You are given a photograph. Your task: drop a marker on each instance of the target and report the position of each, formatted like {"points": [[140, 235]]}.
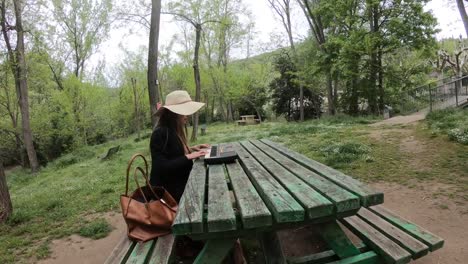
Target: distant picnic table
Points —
{"points": [[271, 188], [248, 120]]}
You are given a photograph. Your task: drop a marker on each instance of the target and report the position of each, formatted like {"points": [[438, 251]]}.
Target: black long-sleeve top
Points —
{"points": [[170, 167]]}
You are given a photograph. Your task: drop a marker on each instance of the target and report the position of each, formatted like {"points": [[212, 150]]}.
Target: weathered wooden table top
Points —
{"points": [[268, 188]]}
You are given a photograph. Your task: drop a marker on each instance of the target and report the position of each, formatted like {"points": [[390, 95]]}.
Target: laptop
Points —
{"points": [[220, 153]]}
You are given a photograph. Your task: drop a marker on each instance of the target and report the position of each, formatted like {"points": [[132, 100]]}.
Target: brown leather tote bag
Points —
{"points": [[149, 211]]}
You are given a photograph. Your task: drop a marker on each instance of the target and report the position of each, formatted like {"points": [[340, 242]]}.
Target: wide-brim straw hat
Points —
{"points": [[180, 103]]}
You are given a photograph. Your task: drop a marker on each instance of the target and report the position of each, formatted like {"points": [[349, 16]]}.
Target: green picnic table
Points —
{"points": [[271, 188]]}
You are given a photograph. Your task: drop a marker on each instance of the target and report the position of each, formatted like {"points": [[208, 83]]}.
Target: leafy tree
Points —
{"points": [[16, 57], [82, 25], [285, 92]]}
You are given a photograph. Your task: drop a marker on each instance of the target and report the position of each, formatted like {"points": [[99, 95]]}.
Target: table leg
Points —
{"points": [[272, 248], [337, 240], [214, 251]]}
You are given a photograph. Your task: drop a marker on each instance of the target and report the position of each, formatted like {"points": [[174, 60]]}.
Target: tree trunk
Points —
{"points": [[135, 101], [331, 106], [196, 74], [464, 17], [5, 201], [380, 81], [22, 89], [153, 59]]}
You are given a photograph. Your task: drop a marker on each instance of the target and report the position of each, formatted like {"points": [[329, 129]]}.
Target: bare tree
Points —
{"points": [[464, 16], [190, 12], [283, 9], [153, 83], [18, 66]]}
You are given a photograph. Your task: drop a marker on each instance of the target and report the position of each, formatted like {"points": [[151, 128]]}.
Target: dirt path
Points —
{"points": [[400, 120]]}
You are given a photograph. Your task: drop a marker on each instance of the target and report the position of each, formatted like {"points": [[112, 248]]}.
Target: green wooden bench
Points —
{"points": [[272, 188], [156, 251]]}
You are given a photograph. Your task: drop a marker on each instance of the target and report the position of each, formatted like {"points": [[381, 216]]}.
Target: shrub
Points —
{"points": [[96, 229]]}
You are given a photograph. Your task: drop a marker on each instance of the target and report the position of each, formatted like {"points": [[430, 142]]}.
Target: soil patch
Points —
{"points": [[80, 250]]}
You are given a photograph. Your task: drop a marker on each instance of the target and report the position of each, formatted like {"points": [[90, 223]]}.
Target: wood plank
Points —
{"points": [[271, 247], [369, 257], [214, 251], [390, 251], [189, 218], [337, 240], [162, 252], [416, 248], [140, 253], [253, 211], [342, 199], [432, 241], [322, 257], [121, 252], [221, 215], [280, 203], [315, 204], [367, 195]]}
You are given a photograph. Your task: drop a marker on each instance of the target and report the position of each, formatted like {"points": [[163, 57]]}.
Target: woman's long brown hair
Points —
{"points": [[172, 120]]}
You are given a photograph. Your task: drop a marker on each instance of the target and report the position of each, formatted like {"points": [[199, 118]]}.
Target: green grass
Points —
{"points": [[68, 194], [452, 122]]}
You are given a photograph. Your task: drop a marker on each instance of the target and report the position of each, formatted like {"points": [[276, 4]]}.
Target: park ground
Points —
{"points": [[70, 211]]}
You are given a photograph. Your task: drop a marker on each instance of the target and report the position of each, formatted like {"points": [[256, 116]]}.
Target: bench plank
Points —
{"points": [[391, 252], [432, 241], [337, 240], [369, 257], [322, 257], [316, 205], [140, 253], [367, 195], [221, 215], [416, 248], [214, 251], [283, 206], [121, 251], [343, 200], [163, 250], [253, 211], [189, 217]]}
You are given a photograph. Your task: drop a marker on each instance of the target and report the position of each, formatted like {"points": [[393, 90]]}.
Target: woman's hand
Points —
{"points": [[195, 155], [199, 147]]}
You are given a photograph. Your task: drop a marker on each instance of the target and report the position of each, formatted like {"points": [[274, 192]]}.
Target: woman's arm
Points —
{"points": [[199, 147]]}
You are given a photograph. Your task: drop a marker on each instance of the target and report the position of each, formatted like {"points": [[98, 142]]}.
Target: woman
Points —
{"points": [[172, 159]]}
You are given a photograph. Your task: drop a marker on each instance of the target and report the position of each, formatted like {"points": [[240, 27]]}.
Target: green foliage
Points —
{"points": [[285, 92], [96, 229], [344, 152], [452, 122]]}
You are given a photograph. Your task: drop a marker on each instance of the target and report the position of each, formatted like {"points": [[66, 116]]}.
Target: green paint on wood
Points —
{"points": [[416, 248], [162, 252], [316, 205], [337, 240], [281, 204], [364, 258], [367, 195], [221, 215], [253, 211], [321, 257], [432, 241], [140, 253], [214, 251], [341, 198], [189, 218], [389, 250]]}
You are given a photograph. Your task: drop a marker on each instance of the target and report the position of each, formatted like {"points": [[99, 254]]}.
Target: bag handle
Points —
{"points": [[150, 187], [129, 166]]}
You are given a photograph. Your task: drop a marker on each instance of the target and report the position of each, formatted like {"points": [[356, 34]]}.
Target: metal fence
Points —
{"points": [[444, 93]]}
